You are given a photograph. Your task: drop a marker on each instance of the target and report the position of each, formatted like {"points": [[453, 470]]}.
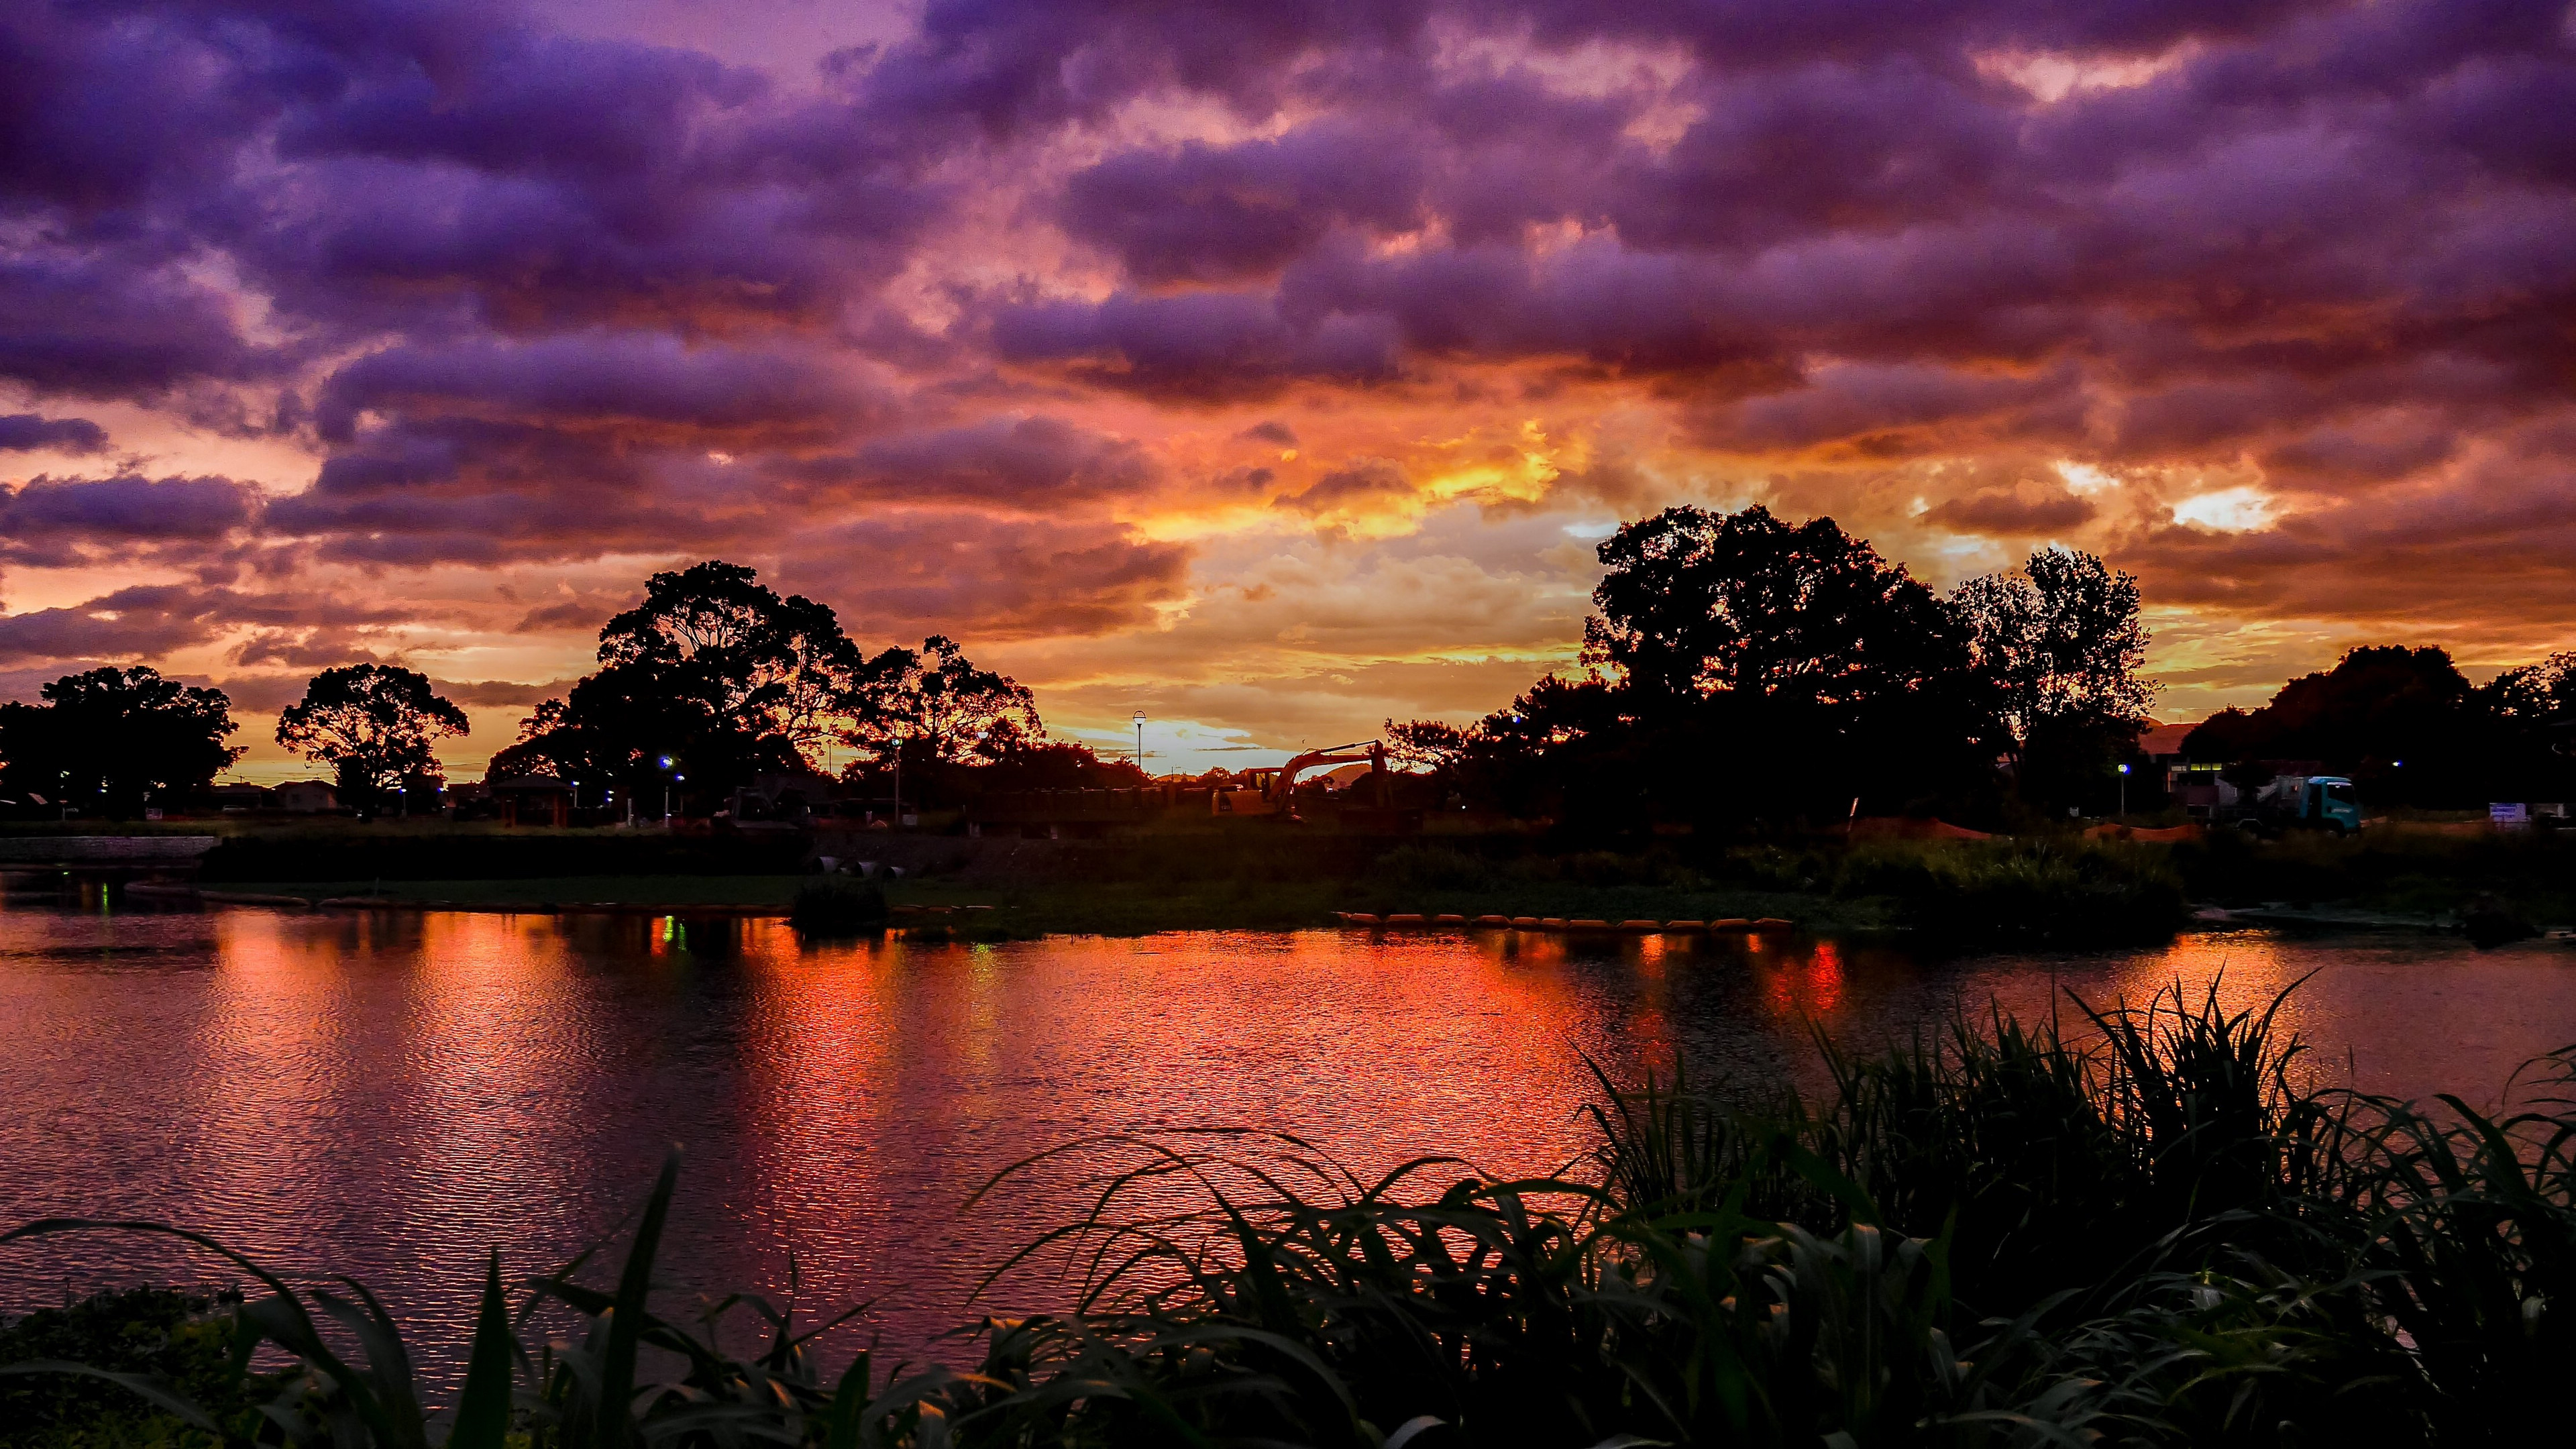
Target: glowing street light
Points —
{"points": [[2124, 790]]}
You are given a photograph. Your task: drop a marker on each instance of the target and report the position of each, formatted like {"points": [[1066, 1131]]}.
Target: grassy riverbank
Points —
{"points": [[1969, 891], [2053, 890], [2158, 1234]]}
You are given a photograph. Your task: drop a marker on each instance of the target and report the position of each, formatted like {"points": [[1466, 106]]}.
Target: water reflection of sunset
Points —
{"points": [[1802, 982], [391, 1095]]}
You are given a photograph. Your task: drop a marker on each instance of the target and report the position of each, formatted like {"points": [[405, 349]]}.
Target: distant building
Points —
{"points": [[306, 797], [236, 797]]}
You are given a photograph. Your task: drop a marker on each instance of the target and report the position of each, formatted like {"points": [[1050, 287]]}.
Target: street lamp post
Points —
{"points": [[1140, 742], [666, 792], [898, 782], [2124, 791]]}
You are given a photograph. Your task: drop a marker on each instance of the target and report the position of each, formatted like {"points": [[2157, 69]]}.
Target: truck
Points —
{"points": [[2297, 802]]}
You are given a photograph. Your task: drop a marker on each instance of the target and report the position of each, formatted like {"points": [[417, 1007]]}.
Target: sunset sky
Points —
{"points": [[1268, 368]]}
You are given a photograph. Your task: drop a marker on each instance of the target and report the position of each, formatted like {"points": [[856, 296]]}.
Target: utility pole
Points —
{"points": [[898, 782]]}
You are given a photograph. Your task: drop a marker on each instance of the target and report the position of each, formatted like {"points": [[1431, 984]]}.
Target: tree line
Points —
{"points": [[2410, 729], [1746, 671], [1740, 671], [1743, 671], [715, 677], [711, 680]]}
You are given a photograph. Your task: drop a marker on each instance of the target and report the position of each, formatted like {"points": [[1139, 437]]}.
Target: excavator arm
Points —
{"points": [[1277, 795], [1373, 752]]}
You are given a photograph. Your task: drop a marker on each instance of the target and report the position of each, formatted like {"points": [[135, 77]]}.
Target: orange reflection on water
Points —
{"points": [[394, 1094], [1801, 980]]}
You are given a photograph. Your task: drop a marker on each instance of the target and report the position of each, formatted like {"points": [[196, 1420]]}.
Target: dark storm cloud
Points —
{"points": [[1017, 463], [496, 692], [150, 620], [2013, 512], [126, 507], [1208, 214], [536, 296], [642, 386], [27, 432], [1198, 345], [114, 325], [898, 571], [198, 524]]}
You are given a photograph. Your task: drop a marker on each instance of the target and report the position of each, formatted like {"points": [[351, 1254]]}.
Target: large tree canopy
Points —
{"points": [[2061, 641], [716, 672], [751, 661], [376, 725], [116, 740], [1747, 669], [1696, 602], [2056, 652], [712, 670], [936, 702]]}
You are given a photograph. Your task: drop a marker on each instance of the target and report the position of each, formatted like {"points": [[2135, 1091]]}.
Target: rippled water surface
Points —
{"points": [[389, 1095]]}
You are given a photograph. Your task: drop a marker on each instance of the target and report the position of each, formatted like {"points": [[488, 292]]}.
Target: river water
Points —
{"points": [[391, 1095]]}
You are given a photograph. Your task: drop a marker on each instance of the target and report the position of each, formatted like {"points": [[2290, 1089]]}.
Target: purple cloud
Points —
{"points": [[962, 302], [1212, 214], [27, 432], [126, 507]]}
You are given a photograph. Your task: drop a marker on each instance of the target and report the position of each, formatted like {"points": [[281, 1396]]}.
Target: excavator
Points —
{"points": [[1273, 791]]}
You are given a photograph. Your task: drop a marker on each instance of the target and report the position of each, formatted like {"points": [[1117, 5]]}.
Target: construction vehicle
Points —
{"points": [[2297, 802], [1273, 790]]}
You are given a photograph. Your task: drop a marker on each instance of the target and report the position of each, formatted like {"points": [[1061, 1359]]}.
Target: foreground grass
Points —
{"points": [[2156, 1235]]}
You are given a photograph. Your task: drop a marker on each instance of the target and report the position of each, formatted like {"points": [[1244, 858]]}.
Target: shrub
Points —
{"points": [[2021, 890], [152, 1334]]}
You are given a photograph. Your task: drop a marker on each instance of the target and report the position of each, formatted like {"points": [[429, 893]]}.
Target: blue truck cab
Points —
{"points": [[2305, 802], [2330, 803]]}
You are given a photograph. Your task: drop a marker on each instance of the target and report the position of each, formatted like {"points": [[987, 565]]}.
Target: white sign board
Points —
{"points": [[2508, 816]]}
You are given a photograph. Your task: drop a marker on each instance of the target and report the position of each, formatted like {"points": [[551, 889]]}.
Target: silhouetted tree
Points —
{"points": [[2403, 722], [2057, 650], [939, 706], [712, 669], [376, 725], [1695, 603], [114, 740], [1564, 749], [1034, 764], [1771, 671], [755, 663]]}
